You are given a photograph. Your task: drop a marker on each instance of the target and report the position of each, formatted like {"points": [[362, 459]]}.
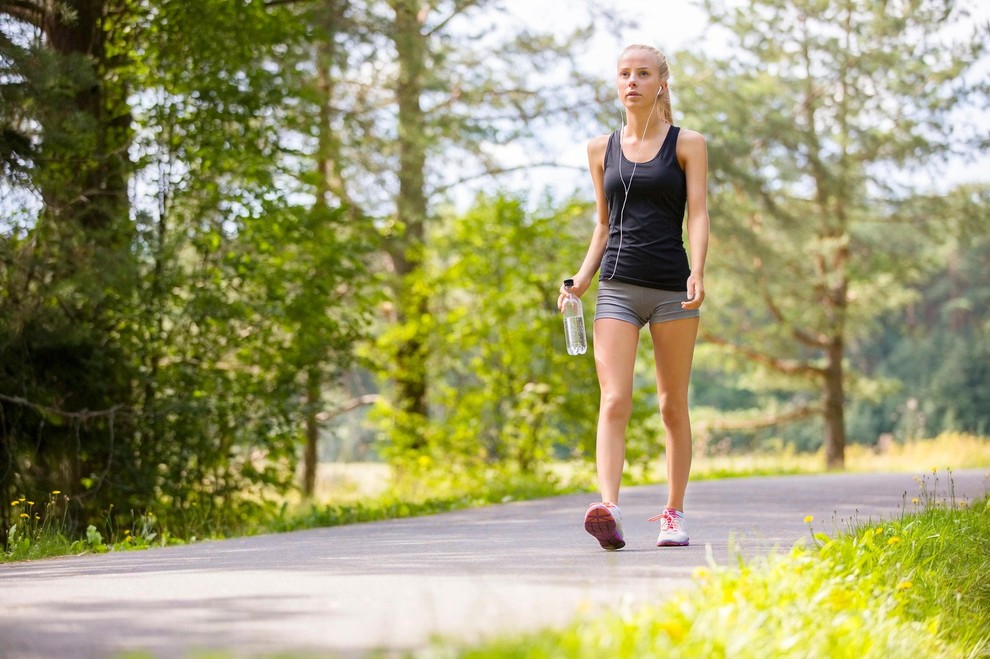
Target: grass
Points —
{"points": [[369, 492], [364, 496], [913, 586], [43, 531], [947, 450]]}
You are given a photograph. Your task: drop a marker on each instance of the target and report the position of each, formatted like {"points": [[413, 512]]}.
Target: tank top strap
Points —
{"points": [[612, 150], [669, 147]]}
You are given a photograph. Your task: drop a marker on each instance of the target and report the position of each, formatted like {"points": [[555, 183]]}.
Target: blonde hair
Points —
{"points": [[666, 112]]}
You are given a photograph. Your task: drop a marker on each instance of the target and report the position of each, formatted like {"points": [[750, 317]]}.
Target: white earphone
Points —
{"points": [[626, 186]]}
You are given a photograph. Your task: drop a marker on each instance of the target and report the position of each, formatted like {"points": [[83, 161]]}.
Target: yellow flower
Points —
{"points": [[894, 540], [963, 504], [904, 585], [914, 501], [808, 519], [30, 503], [24, 515], [879, 530], [934, 470], [701, 572], [14, 503], [56, 492]]}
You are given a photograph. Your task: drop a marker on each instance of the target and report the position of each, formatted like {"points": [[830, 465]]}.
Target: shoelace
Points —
{"points": [[667, 520]]}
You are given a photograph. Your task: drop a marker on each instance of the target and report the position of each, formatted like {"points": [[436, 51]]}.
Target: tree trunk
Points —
{"points": [[411, 205], [835, 424], [98, 192], [312, 456]]}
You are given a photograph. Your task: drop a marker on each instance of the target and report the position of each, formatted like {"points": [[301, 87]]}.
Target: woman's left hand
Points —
{"points": [[695, 292]]}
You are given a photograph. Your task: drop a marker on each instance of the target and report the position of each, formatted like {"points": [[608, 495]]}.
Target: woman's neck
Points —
{"points": [[644, 125]]}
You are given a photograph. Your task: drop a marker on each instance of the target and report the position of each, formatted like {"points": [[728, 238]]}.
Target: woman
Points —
{"points": [[645, 176]]}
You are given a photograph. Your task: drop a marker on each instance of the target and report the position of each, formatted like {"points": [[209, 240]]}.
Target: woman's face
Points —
{"points": [[638, 78]]}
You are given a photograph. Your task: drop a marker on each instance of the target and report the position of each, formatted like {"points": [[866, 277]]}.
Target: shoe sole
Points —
{"points": [[600, 523], [672, 543]]}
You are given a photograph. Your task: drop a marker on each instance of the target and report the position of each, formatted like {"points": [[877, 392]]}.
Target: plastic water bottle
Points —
{"points": [[577, 340]]}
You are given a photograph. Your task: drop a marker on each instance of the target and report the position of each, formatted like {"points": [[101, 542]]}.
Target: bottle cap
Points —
{"points": [[568, 283]]}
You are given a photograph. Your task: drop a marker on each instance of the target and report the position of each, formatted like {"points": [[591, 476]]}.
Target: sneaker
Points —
{"points": [[673, 530], [604, 521]]}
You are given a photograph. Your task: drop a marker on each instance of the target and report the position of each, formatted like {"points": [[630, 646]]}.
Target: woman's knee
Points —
{"points": [[616, 406], [674, 412]]}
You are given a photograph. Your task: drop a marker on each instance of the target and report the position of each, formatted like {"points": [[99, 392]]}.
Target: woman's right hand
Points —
{"points": [[577, 290]]}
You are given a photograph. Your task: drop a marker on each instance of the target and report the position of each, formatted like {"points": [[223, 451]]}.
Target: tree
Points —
{"points": [[809, 119], [162, 326], [459, 88], [67, 269]]}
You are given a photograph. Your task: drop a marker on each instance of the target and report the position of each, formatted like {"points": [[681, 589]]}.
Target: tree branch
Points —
{"points": [[785, 366], [799, 334], [457, 11], [23, 10], [501, 170], [349, 406], [768, 421], [81, 415]]}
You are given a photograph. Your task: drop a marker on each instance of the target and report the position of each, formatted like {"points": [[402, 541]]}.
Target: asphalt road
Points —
{"points": [[349, 591]]}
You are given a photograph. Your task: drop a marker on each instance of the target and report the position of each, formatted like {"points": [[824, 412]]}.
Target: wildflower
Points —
{"points": [[14, 503], [964, 504], [915, 501], [24, 515], [809, 519], [894, 540], [879, 530], [30, 503], [905, 585], [56, 492], [934, 470]]}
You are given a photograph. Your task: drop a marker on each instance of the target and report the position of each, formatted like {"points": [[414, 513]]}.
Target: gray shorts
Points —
{"points": [[640, 305]]}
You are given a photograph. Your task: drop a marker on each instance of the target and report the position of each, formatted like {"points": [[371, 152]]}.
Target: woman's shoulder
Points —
{"points": [[599, 143], [690, 137], [597, 146], [690, 143]]}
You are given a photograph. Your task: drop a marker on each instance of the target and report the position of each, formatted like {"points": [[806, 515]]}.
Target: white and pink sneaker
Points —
{"points": [[604, 521], [673, 529]]}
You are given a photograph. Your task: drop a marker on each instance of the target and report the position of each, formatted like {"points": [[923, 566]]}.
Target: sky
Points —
{"points": [[667, 24], [670, 25]]}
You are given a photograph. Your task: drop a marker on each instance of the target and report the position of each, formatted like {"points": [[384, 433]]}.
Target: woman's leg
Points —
{"points": [[615, 357], [673, 350]]}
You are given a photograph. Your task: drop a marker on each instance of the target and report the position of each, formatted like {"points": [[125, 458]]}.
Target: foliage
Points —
{"points": [[912, 585], [504, 389], [815, 238], [937, 350], [161, 366]]}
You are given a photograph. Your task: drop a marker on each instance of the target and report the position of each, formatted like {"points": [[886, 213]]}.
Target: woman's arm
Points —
{"points": [[596, 250], [692, 152]]}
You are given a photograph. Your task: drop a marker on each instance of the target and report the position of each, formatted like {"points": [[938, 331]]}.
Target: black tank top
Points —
{"points": [[646, 247]]}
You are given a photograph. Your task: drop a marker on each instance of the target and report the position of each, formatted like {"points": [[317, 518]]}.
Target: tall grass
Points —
{"points": [[912, 586]]}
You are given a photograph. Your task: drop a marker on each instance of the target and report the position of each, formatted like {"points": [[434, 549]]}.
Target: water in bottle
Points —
{"points": [[577, 340]]}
